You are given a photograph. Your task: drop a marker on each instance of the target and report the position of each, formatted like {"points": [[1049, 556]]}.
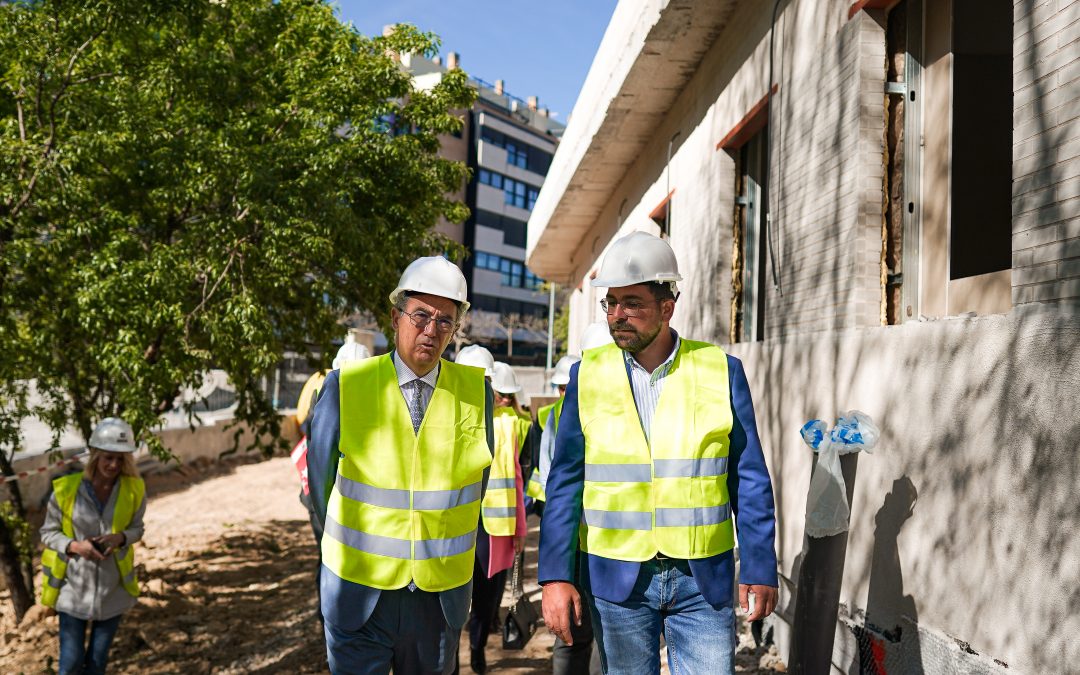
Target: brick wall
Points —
{"points": [[1046, 151]]}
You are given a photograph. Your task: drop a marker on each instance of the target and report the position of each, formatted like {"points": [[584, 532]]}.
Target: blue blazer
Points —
{"points": [[345, 604], [749, 488]]}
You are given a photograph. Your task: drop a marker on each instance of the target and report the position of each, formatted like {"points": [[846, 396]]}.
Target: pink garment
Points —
{"points": [[501, 556]]}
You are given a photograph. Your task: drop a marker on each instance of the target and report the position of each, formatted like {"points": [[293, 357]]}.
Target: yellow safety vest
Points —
{"points": [[405, 505], [499, 508], [54, 563], [536, 488], [542, 415], [668, 496]]}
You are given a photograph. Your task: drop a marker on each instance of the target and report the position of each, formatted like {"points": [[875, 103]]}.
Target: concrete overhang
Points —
{"points": [[650, 51]]}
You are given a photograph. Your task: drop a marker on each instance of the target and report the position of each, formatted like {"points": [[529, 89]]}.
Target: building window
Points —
{"points": [[748, 261], [517, 156], [513, 273], [513, 230], [491, 178], [661, 215], [949, 245], [516, 193]]}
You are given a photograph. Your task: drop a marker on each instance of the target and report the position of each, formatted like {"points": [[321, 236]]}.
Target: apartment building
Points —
{"points": [[508, 143], [876, 206]]}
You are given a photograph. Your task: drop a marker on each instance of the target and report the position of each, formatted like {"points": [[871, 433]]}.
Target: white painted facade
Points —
{"points": [[962, 519]]}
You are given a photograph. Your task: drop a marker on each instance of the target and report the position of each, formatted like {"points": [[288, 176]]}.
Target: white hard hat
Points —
{"points": [[504, 380], [596, 335], [350, 351], [113, 434], [562, 369], [638, 258], [434, 275], [475, 355]]}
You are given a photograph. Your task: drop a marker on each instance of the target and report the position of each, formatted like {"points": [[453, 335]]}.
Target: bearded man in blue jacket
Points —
{"points": [[657, 458]]}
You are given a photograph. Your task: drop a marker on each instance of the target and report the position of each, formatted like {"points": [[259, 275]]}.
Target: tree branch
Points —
{"points": [[50, 142], [213, 289]]}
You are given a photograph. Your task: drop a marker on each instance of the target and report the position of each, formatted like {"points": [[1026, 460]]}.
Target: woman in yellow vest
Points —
{"points": [[93, 519], [502, 523]]}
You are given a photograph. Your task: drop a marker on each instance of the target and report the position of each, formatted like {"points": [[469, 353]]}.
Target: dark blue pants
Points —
{"points": [[486, 596], [74, 656], [407, 632]]}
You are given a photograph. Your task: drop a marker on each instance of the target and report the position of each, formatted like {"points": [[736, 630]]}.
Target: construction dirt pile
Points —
{"points": [[227, 569]]}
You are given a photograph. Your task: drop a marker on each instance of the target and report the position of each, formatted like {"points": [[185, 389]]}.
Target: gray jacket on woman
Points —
{"points": [[91, 590]]}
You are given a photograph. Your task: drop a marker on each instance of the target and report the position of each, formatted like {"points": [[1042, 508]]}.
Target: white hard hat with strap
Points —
{"points": [[638, 258], [475, 355], [114, 435], [596, 335], [433, 275], [504, 381], [562, 369], [350, 351]]}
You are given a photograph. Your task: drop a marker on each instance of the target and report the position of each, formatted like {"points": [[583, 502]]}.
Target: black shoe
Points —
{"points": [[477, 661]]}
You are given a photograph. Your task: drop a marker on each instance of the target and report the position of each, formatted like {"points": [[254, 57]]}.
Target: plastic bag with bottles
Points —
{"points": [[827, 509]]}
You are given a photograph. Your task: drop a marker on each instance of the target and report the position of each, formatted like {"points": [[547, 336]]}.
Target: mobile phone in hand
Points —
{"points": [[99, 545]]}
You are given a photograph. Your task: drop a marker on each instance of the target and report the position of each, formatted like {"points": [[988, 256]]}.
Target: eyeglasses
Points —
{"points": [[631, 308], [421, 319]]}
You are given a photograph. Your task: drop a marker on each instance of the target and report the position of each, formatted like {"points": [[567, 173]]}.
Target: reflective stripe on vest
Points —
{"points": [[405, 506], [54, 563], [669, 496], [499, 508]]}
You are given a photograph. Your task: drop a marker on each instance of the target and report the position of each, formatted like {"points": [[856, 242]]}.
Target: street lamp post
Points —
{"points": [[551, 324]]}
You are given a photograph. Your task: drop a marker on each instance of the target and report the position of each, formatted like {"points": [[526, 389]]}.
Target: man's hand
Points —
{"points": [[562, 604], [84, 549], [764, 600], [519, 544]]}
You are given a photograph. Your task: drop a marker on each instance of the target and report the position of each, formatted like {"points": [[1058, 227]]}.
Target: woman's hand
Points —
{"points": [[84, 549], [519, 544], [111, 541]]}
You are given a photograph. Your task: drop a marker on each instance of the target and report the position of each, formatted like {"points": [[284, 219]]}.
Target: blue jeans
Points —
{"points": [[74, 657], [700, 637]]}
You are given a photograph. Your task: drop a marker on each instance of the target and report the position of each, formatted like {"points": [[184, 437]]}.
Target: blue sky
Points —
{"points": [[540, 48]]}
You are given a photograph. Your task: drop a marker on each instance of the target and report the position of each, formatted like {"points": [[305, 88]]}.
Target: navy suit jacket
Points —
{"points": [[749, 489], [345, 604]]}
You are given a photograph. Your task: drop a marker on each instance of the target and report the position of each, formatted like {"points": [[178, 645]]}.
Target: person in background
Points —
{"points": [[578, 656], [502, 524], [660, 510], [350, 351], [94, 518], [546, 424], [477, 357], [398, 457]]}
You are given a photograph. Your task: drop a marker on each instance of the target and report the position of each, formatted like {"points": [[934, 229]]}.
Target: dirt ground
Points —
{"points": [[227, 569]]}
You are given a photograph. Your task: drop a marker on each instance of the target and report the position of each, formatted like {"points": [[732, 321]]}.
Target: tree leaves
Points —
{"points": [[196, 185]]}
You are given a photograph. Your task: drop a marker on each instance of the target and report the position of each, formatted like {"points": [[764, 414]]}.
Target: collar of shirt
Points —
{"points": [[405, 374], [663, 368]]}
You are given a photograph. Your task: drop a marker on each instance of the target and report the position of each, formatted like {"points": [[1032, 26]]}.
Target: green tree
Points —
{"points": [[200, 184]]}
